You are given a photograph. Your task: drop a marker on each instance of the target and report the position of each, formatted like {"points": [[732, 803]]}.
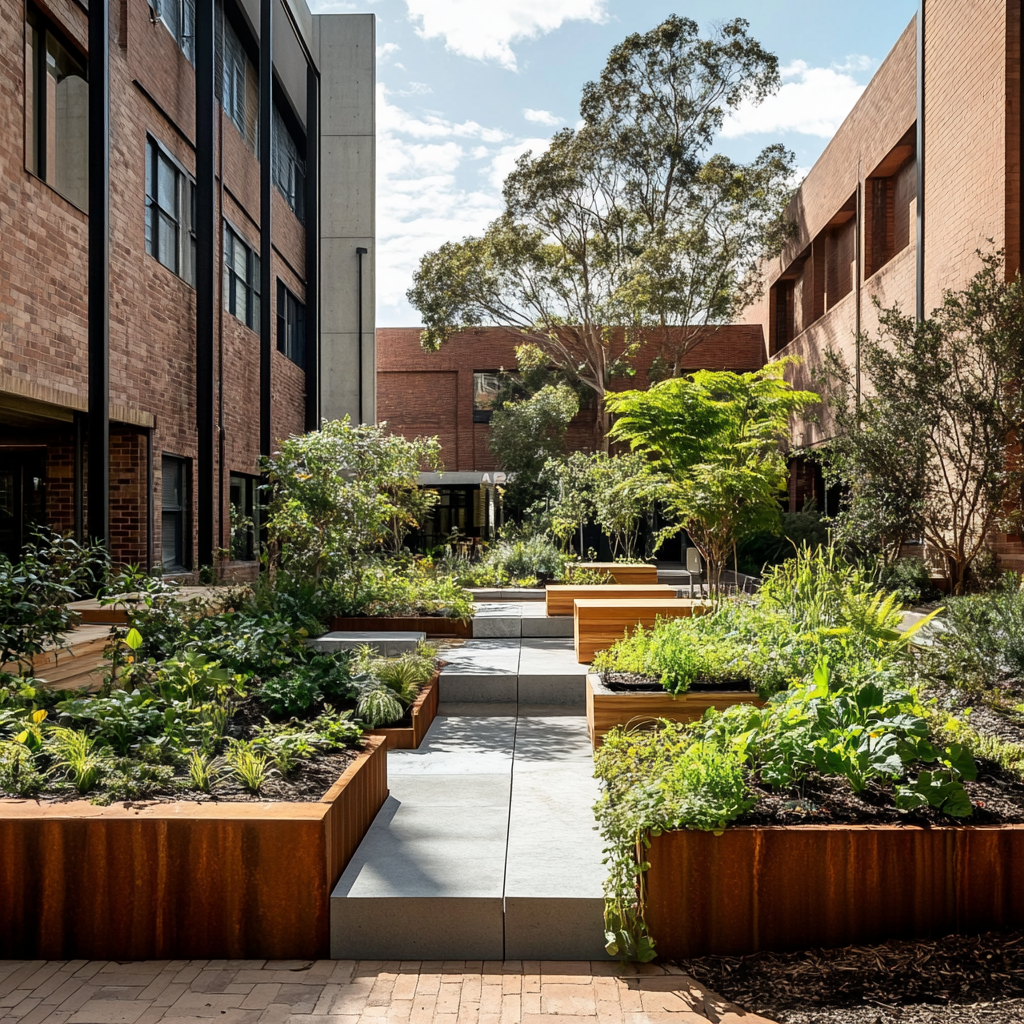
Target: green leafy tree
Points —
{"points": [[715, 441], [629, 225], [933, 449], [524, 435], [612, 491], [340, 493]]}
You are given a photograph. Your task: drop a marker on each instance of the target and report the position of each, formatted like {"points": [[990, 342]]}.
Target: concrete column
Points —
{"points": [[345, 53]]}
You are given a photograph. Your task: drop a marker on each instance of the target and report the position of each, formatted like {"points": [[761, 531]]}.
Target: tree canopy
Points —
{"points": [[932, 449], [629, 225], [715, 440]]}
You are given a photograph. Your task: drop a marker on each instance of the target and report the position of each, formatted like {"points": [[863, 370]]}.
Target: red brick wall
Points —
{"points": [[431, 393], [43, 294]]}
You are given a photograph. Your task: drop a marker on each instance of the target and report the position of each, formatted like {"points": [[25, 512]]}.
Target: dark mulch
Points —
{"points": [[635, 682], [998, 798], [958, 979]]}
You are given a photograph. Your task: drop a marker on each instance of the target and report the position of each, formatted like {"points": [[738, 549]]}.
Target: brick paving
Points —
{"points": [[355, 992]]}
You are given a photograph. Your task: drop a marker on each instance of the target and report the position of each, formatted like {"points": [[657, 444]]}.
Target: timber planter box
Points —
{"points": [[432, 625], [597, 624], [181, 880], [422, 712], [622, 572], [608, 708], [804, 886], [560, 598]]}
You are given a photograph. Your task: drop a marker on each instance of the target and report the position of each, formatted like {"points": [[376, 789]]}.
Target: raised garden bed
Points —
{"points": [[181, 880], [607, 708], [597, 624], [432, 625], [622, 572], [420, 715], [796, 887], [560, 599]]}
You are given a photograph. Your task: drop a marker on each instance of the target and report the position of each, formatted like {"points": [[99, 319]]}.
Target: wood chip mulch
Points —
{"points": [[958, 979]]}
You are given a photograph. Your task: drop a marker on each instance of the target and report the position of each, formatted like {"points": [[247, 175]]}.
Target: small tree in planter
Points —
{"points": [[933, 450], [715, 441]]}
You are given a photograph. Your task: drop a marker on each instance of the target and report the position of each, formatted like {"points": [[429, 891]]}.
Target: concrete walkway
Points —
{"points": [[487, 847], [354, 992]]}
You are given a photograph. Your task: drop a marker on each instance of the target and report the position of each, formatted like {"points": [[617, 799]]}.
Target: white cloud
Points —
{"points": [[856, 62], [385, 51], [505, 159], [485, 29], [542, 116], [812, 101]]}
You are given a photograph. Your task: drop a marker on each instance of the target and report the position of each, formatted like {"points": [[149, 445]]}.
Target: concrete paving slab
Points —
{"points": [[547, 626], [388, 644], [547, 740], [550, 674], [487, 688], [554, 929], [497, 620], [479, 745], [417, 929], [483, 657]]}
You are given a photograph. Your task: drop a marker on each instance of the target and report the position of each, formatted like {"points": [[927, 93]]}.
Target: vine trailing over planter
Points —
{"points": [[870, 732]]}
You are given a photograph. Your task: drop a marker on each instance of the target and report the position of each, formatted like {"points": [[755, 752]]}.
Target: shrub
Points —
{"points": [[526, 559], [909, 580], [306, 685]]}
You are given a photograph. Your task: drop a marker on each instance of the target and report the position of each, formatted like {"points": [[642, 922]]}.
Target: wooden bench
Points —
{"points": [[560, 598], [207, 600], [622, 572], [597, 624], [80, 663]]}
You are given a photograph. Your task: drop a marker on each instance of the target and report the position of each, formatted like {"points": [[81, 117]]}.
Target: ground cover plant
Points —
{"points": [[233, 705], [863, 723]]}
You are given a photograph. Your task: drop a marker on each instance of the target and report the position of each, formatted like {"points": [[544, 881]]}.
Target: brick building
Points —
{"points": [[168, 332], [924, 171], [446, 394]]}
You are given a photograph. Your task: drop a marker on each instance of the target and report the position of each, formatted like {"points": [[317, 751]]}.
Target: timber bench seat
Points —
{"points": [[597, 624], [560, 598], [622, 572]]}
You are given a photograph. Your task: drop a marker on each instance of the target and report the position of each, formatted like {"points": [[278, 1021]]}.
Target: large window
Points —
{"points": [[289, 168], [174, 513], [486, 385], [291, 326], [245, 517], [180, 18], [170, 204], [241, 279], [56, 111]]}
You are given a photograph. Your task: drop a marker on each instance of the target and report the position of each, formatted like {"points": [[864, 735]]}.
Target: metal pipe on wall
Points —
{"points": [[149, 500], [99, 272], [266, 238], [205, 273], [79, 479], [920, 160], [361, 251], [312, 199]]}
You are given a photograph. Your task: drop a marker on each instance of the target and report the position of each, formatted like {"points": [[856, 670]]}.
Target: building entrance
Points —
{"points": [[22, 496]]}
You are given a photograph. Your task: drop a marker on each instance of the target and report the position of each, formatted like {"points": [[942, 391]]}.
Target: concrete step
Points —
{"points": [[485, 850], [507, 620]]}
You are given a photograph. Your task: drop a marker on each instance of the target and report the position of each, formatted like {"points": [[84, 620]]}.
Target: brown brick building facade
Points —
{"points": [[44, 258], [423, 393]]}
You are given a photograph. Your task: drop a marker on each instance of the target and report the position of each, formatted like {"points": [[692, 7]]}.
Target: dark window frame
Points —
{"points": [[481, 413], [178, 513], [38, 26], [248, 504], [235, 284], [182, 217], [291, 325]]}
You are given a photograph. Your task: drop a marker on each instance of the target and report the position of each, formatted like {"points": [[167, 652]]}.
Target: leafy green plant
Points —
{"points": [[378, 705], [76, 754], [252, 769], [124, 778], [19, 775], [309, 684], [335, 729], [524, 560], [118, 720], [203, 770]]}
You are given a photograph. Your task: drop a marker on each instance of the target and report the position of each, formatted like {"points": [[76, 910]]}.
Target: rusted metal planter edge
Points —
{"points": [[781, 888], [423, 712], [182, 880]]}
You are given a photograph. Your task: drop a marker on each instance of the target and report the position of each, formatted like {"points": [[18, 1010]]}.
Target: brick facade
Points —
{"points": [[423, 393], [43, 292]]}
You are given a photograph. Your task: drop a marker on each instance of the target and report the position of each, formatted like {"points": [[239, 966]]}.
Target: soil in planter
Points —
{"points": [[997, 796], [307, 783], [953, 980], [634, 682]]}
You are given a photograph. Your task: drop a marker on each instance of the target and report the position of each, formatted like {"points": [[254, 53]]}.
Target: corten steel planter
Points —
{"points": [[432, 625], [560, 599], [597, 624], [423, 711], [181, 880], [607, 708], [803, 886]]}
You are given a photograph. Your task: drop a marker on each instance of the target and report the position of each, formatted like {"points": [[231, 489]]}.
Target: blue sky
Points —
{"points": [[464, 86]]}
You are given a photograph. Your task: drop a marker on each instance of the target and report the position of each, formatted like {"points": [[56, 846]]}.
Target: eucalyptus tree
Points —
{"points": [[627, 231]]}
